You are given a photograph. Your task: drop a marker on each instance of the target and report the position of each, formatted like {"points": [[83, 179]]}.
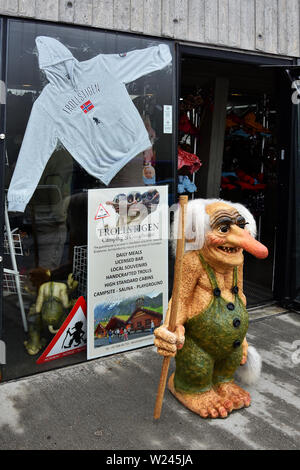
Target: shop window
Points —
{"points": [[49, 172]]}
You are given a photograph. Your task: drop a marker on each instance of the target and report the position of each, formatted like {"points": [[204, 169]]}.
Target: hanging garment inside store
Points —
{"points": [[229, 118], [192, 111]]}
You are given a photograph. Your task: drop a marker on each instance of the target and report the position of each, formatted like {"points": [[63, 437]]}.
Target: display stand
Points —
{"points": [[17, 244], [194, 118], [80, 268], [12, 280], [9, 282]]}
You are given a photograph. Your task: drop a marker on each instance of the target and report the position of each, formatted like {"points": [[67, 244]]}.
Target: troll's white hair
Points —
{"points": [[197, 222]]}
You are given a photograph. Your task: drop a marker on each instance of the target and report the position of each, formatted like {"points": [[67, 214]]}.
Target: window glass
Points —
{"points": [[71, 88]]}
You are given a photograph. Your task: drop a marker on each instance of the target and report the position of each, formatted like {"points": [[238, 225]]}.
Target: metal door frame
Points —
{"points": [[3, 39]]}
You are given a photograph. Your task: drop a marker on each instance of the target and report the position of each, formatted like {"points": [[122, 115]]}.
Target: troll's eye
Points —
{"points": [[242, 224], [224, 228]]}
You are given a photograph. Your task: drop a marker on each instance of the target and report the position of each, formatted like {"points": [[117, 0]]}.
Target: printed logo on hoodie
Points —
{"points": [[86, 107], [81, 96]]}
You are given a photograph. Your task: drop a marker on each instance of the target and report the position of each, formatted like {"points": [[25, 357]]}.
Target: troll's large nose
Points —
{"points": [[242, 238]]}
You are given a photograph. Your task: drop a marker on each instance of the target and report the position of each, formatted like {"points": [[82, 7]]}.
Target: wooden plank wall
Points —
{"points": [[270, 26]]}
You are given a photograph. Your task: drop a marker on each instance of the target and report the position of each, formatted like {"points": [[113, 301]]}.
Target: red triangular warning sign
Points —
{"points": [[101, 212], [71, 337]]}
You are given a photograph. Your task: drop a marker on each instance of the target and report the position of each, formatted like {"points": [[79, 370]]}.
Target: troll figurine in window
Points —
{"points": [[49, 310], [209, 342]]}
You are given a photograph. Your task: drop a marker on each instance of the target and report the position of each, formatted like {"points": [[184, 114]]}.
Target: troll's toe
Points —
{"points": [[239, 397], [207, 404]]}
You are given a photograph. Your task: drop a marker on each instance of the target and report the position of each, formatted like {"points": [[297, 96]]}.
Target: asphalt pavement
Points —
{"points": [[108, 403]]}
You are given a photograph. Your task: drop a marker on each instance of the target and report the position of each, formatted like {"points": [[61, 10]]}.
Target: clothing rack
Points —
{"points": [[14, 272], [193, 112]]}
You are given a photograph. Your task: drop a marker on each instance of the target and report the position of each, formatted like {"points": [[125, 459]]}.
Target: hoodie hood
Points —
{"points": [[56, 60]]}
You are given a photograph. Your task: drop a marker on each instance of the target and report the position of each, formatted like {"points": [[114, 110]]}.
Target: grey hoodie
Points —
{"points": [[87, 107]]}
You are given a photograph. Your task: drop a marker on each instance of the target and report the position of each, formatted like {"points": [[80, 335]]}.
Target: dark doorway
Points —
{"points": [[231, 117]]}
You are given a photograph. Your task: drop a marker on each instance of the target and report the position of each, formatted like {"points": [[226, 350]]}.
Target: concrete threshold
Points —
{"points": [[264, 311]]}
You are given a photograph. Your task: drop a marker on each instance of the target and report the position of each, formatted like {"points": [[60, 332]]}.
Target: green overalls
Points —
{"points": [[213, 341], [52, 309]]}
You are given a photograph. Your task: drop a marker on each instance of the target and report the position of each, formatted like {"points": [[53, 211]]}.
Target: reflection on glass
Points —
{"points": [[53, 226]]}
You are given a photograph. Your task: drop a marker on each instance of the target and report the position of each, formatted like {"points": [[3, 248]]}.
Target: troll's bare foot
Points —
{"points": [[239, 397], [207, 404], [33, 347]]}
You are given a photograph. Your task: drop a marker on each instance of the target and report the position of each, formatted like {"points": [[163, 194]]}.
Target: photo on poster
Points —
{"points": [[126, 319], [127, 267]]}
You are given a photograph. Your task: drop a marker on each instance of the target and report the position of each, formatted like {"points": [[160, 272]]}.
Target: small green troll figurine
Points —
{"points": [[49, 311]]}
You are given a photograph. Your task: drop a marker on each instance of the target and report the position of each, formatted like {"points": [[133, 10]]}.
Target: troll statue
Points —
{"points": [[209, 342], [48, 312]]}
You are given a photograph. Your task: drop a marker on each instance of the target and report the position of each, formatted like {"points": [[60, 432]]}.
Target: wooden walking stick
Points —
{"points": [[174, 306]]}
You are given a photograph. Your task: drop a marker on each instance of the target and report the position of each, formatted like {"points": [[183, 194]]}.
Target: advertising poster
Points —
{"points": [[127, 267]]}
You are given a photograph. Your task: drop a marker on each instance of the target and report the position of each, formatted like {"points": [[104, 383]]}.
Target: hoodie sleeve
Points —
{"points": [[134, 64], [38, 145]]}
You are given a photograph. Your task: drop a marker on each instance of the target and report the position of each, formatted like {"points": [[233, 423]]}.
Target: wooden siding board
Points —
{"points": [[195, 30], [293, 28], [46, 10], [234, 22], [282, 27], [264, 25], [122, 15], [211, 21], [66, 11], [137, 16], [270, 26], [259, 24], [181, 16], [27, 8], [167, 18], [83, 12], [223, 18], [247, 35], [9, 6], [103, 14], [152, 17]]}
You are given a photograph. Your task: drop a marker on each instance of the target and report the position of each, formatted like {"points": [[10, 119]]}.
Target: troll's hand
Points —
{"points": [[167, 342]]}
